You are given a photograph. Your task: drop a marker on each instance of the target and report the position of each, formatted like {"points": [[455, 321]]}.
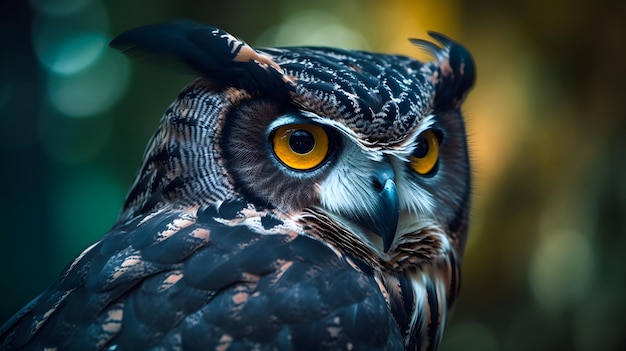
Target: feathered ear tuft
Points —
{"points": [[456, 71], [216, 55]]}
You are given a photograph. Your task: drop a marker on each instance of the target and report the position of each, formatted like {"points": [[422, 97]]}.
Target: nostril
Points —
{"points": [[378, 186]]}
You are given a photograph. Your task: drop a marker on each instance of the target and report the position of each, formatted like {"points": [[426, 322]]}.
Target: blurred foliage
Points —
{"points": [[543, 268]]}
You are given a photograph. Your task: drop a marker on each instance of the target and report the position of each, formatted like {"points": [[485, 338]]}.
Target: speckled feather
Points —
{"points": [[180, 279], [200, 260]]}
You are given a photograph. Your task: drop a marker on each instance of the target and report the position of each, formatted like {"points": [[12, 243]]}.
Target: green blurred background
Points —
{"points": [[544, 266]]}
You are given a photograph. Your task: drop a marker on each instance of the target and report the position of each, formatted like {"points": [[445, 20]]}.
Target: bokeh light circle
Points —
{"points": [[309, 28], [93, 90], [69, 44], [561, 269]]}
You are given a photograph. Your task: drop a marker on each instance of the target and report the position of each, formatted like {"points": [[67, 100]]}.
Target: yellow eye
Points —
{"points": [[301, 146], [426, 154]]}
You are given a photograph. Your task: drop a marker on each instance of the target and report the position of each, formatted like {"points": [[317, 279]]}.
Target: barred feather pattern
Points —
{"points": [[182, 164]]}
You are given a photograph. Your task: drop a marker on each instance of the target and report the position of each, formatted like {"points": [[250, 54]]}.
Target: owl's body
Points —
{"points": [[291, 199]]}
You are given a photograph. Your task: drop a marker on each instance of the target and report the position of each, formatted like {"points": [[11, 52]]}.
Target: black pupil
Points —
{"points": [[422, 147], [301, 141]]}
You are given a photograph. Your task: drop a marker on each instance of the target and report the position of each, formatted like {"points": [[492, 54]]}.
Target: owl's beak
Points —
{"points": [[383, 218], [388, 218]]}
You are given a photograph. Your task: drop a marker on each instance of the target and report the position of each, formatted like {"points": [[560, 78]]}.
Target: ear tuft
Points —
{"points": [[216, 55], [455, 72]]}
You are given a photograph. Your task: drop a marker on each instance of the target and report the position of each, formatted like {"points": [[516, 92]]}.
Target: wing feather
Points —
{"points": [[183, 279]]}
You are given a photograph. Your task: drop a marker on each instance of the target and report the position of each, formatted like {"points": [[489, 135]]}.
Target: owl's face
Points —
{"points": [[295, 159]]}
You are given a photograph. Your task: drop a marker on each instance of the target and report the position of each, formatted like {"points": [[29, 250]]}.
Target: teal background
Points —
{"points": [[544, 266]]}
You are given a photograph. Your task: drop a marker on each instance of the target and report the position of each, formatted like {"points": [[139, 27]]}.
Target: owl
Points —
{"points": [[302, 198]]}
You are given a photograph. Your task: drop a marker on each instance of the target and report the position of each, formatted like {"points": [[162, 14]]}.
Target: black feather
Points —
{"points": [[452, 86], [204, 50]]}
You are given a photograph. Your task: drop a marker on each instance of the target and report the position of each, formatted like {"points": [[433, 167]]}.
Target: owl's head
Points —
{"points": [[369, 148]]}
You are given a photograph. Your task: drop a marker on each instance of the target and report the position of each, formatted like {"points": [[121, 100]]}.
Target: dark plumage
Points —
{"points": [[232, 238], [208, 51]]}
